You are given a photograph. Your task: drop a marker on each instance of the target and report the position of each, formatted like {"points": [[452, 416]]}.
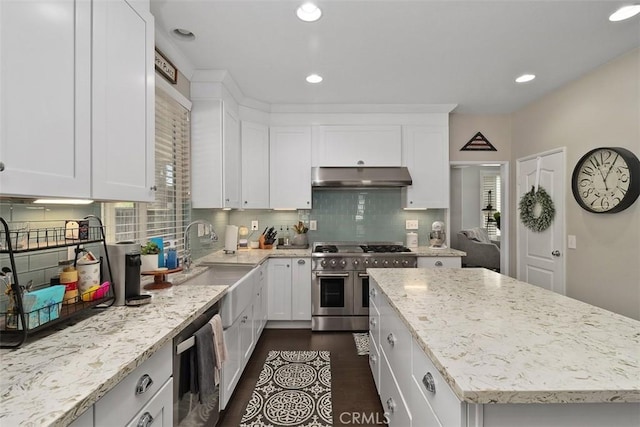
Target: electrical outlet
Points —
{"points": [[313, 225], [254, 225], [412, 224], [571, 244]]}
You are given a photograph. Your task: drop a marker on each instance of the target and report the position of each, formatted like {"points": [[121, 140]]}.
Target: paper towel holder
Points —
{"points": [[231, 239]]}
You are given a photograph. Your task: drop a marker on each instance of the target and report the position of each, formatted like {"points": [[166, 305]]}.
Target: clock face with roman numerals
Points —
{"points": [[606, 180]]}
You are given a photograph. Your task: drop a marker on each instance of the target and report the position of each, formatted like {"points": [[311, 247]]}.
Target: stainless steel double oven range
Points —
{"points": [[340, 283]]}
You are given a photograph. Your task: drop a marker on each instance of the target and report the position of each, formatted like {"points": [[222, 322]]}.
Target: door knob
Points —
{"points": [[555, 253]]}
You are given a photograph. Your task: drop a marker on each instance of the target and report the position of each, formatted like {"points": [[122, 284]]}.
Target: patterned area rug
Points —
{"points": [[362, 343], [294, 389]]}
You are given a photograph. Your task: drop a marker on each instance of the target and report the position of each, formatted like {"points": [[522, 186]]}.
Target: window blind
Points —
{"points": [[491, 183], [169, 214]]}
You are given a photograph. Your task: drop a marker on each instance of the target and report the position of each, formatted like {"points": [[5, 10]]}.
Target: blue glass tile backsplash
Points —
{"points": [[349, 215]]}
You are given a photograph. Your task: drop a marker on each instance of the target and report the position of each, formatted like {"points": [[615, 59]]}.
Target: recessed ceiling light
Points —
{"points": [[309, 12], [525, 78], [625, 12], [182, 34], [314, 78]]}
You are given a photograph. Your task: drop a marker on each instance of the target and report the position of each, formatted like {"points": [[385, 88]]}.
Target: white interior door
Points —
{"points": [[541, 258]]}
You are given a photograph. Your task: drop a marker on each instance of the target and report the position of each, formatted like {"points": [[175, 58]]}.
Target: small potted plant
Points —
{"points": [[300, 236], [496, 217], [149, 256]]}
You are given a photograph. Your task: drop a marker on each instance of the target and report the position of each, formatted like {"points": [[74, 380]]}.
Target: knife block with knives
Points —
{"points": [[266, 239]]}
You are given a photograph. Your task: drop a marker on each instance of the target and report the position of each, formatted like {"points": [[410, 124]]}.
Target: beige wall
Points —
{"points": [[183, 85], [600, 109], [496, 128]]}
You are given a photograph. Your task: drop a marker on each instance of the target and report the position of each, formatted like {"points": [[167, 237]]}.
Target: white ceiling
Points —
{"points": [[399, 52]]}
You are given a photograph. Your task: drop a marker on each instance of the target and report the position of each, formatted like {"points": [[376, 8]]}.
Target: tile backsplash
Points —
{"points": [[349, 215]]}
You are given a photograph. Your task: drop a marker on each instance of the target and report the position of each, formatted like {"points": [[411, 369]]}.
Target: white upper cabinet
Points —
{"points": [[290, 170], [215, 155], [123, 86], [358, 146], [232, 162], [255, 165], [45, 89], [425, 151], [76, 111]]}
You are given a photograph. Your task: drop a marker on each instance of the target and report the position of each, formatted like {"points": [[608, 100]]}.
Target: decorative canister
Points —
{"points": [[88, 274]]}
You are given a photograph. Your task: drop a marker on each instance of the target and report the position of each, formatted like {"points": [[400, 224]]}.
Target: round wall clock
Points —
{"points": [[606, 180]]}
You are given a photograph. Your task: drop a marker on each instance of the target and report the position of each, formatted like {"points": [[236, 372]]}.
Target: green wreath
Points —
{"points": [[527, 206]]}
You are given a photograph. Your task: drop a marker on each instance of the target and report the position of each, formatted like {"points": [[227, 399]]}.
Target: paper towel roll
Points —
{"points": [[231, 239]]}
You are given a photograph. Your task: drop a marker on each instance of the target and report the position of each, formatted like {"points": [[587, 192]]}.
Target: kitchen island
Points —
{"points": [[504, 347], [54, 379]]}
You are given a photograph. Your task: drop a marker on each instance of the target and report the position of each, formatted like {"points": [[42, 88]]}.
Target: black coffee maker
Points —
{"points": [[132, 280]]}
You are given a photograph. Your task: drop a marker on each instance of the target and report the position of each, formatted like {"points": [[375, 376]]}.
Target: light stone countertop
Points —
{"points": [[52, 380], [498, 340], [254, 257]]}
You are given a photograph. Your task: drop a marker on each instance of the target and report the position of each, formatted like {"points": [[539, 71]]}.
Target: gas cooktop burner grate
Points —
{"points": [[384, 248], [326, 249]]}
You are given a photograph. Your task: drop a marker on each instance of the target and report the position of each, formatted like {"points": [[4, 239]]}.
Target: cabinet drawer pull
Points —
{"points": [[429, 383], [438, 263], [391, 405], [144, 383], [145, 420], [391, 340], [301, 262]]}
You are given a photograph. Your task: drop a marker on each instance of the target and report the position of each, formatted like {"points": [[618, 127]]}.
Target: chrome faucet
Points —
{"points": [[208, 229]]}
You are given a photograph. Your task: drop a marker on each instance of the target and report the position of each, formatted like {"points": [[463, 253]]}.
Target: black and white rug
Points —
{"points": [[294, 389], [362, 343]]}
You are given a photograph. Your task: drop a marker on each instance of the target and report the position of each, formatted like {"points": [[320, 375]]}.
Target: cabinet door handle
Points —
{"points": [[391, 405], [373, 358], [1, 166], [154, 188], [360, 163], [372, 293], [301, 262], [372, 322], [438, 263], [391, 340], [429, 383], [144, 383], [145, 420]]}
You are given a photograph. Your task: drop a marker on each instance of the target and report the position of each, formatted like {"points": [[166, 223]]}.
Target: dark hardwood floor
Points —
{"points": [[354, 395]]}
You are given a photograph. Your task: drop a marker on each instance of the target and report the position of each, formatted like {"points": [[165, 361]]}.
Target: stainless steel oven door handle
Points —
{"points": [[330, 275], [363, 275]]}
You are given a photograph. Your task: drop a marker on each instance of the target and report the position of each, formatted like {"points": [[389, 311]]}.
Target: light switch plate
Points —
{"points": [[412, 224], [313, 225], [254, 225], [571, 241]]}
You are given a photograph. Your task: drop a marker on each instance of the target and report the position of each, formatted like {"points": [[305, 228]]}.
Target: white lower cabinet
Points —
{"points": [[430, 389], [158, 411], [126, 400], [84, 420], [289, 289], [232, 368], [439, 261], [395, 408]]}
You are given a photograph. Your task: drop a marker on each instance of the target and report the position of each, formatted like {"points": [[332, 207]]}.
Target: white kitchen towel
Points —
{"points": [[219, 346]]}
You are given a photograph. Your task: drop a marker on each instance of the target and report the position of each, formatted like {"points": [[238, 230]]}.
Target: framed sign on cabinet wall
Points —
{"points": [[166, 68]]}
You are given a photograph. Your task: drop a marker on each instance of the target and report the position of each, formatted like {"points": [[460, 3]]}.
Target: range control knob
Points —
{"points": [[406, 263], [323, 263], [385, 263], [343, 263], [375, 262], [366, 262], [396, 263], [356, 262], [333, 263]]}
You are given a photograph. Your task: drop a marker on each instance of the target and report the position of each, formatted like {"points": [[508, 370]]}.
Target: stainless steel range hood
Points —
{"points": [[359, 177]]}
